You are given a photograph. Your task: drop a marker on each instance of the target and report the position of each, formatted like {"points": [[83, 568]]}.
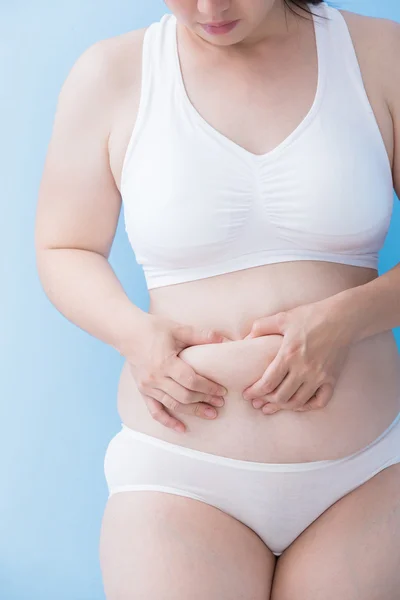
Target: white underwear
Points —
{"points": [[277, 501]]}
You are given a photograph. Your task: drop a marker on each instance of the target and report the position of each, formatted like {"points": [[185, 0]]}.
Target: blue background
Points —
{"points": [[58, 384]]}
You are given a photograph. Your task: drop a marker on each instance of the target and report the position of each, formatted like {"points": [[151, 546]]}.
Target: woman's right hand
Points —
{"points": [[168, 382]]}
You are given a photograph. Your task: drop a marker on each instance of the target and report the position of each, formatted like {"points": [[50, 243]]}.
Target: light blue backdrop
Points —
{"points": [[58, 384]]}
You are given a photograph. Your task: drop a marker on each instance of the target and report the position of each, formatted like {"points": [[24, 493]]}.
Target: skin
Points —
{"points": [[156, 545], [292, 576], [265, 290]]}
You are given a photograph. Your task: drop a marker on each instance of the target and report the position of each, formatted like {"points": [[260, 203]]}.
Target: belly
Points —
{"points": [[365, 401], [366, 398]]}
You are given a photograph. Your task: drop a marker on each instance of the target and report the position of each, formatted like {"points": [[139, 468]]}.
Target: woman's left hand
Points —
{"points": [[304, 372]]}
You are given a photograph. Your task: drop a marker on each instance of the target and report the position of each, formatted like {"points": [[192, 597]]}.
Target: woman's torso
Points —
{"points": [[367, 395]]}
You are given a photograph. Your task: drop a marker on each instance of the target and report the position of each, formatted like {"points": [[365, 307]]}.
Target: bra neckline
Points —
{"points": [[320, 41]]}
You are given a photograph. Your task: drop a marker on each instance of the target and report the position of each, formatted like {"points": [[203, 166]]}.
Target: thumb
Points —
{"points": [[265, 326], [192, 336]]}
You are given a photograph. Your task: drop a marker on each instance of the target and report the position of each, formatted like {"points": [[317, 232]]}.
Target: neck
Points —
{"points": [[277, 25]]}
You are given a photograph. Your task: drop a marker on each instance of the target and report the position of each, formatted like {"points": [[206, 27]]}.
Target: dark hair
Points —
{"points": [[302, 4]]}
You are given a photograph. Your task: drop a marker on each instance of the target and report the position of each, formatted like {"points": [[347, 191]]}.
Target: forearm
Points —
{"points": [[368, 309], [84, 288]]}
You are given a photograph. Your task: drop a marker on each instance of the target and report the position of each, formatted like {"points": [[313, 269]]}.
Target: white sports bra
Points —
{"points": [[196, 204]]}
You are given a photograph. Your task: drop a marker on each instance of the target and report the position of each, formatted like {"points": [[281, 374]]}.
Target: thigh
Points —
{"points": [[351, 552], [170, 547]]}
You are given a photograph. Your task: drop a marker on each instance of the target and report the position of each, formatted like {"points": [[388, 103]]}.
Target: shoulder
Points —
{"points": [[110, 58], [367, 24], [105, 71], [377, 42]]}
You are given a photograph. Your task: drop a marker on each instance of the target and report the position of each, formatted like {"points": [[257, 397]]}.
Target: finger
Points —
{"points": [[283, 394], [302, 396], [187, 377], [160, 414], [304, 408], [270, 409], [185, 396], [259, 402], [273, 376], [199, 409], [192, 336], [263, 402], [266, 326], [322, 396]]}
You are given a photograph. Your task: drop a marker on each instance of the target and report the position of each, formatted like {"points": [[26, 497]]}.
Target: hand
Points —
{"points": [[304, 372], [168, 382]]}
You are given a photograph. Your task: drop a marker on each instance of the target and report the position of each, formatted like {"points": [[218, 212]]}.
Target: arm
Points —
{"points": [[375, 307], [368, 309], [79, 205]]}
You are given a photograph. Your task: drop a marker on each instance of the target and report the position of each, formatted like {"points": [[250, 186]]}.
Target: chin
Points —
{"points": [[220, 40]]}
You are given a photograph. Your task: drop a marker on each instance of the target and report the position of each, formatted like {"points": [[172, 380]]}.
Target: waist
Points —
{"points": [[365, 401], [232, 301]]}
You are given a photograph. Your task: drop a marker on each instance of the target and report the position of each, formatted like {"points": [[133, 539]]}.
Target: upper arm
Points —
{"points": [[79, 203], [393, 96]]}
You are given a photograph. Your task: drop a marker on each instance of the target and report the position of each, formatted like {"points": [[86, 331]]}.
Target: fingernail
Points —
{"points": [[258, 403], [269, 410], [210, 412], [218, 401]]}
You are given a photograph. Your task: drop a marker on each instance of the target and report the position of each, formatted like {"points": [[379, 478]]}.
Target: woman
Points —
{"points": [[252, 143]]}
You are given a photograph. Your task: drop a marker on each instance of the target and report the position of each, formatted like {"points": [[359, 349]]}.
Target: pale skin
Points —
{"points": [[156, 545]]}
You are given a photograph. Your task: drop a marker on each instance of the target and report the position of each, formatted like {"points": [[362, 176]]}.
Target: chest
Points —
{"points": [[250, 100], [275, 160], [262, 101]]}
